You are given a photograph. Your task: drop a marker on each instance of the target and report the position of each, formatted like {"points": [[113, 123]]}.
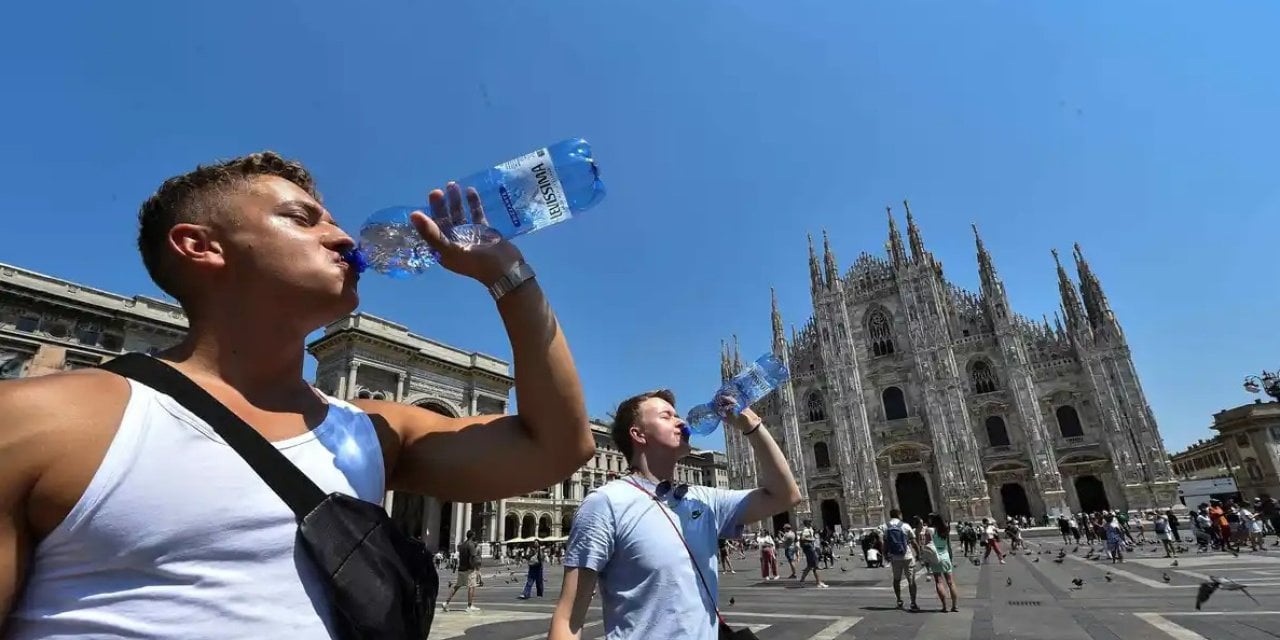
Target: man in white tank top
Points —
{"points": [[123, 515]]}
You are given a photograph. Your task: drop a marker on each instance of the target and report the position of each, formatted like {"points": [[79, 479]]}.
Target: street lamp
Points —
{"points": [[1268, 382]]}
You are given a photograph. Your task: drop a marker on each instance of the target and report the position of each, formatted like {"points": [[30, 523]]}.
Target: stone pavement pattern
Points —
{"points": [[1041, 602]]}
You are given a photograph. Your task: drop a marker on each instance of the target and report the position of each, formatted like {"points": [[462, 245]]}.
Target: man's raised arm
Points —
{"points": [[482, 458]]}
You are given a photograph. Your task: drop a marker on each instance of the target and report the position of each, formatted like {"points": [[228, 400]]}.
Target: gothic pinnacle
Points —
{"points": [[815, 272], [913, 235], [1095, 301], [896, 251], [829, 260], [737, 357], [1071, 306], [724, 361], [775, 316]]}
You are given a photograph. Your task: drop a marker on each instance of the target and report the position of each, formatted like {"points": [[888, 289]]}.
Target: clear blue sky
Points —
{"points": [[726, 130]]}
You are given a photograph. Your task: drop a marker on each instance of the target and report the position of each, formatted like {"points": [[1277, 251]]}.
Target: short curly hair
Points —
{"points": [[625, 416], [195, 196]]}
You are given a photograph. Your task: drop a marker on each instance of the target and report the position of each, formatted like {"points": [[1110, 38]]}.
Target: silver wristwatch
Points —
{"points": [[518, 274]]}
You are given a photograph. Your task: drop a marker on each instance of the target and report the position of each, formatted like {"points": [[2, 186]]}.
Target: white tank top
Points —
{"points": [[176, 537]]}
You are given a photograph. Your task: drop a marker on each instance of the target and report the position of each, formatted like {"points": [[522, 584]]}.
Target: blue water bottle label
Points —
{"points": [[531, 191], [753, 385]]}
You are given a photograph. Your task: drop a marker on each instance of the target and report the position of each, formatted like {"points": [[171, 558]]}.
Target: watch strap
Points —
{"points": [[518, 274]]}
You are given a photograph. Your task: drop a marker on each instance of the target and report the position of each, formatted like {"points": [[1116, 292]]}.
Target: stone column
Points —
{"points": [[495, 527], [458, 524], [473, 402], [351, 380], [502, 521], [400, 380], [1073, 500]]}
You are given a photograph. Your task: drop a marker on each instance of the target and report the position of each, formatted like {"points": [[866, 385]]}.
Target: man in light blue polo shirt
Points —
{"points": [[627, 535]]}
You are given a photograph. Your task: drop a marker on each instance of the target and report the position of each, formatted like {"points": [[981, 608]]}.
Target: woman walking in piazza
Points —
{"points": [[935, 551]]}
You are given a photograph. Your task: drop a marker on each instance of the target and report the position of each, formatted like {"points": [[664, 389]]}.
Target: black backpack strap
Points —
{"points": [[285, 479]]}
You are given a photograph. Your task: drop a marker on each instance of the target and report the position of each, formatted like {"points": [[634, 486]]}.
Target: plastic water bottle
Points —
{"points": [[534, 191], [751, 384]]}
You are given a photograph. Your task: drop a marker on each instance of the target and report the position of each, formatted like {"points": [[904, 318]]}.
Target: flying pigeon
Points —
{"points": [[1077, 582], [1206, 589], [1036, 560], [1165, 576], [1108, 576]]}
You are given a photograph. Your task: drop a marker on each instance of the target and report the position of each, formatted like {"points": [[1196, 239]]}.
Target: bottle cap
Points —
{"points": [[356, 259]]}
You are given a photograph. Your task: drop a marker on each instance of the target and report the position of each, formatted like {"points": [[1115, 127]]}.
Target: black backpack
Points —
{"points": [[381, 583]]}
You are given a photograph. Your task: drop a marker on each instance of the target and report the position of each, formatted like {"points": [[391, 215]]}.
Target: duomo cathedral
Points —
{"points": [[908, 391]]}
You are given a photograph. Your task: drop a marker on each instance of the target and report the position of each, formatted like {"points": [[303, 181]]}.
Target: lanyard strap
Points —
{"points": [[697, 568]]}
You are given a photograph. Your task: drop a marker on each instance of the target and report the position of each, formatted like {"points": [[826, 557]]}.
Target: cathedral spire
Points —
{"points": [[775, 316], [896, 251], [815, 272], [913, 235], [829, 261], [736, 366], [1095, 301], [724, 362], [986, 269], [1071, 306]]}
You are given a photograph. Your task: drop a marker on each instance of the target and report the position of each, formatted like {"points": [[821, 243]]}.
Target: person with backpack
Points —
{"points": [[901, 549], [808, 546]]}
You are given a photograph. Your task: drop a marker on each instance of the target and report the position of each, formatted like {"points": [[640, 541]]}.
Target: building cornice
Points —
{"points": [[47, 288]]}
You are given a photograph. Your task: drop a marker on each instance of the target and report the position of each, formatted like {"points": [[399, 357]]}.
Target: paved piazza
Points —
{"points": [[1041, 603]]}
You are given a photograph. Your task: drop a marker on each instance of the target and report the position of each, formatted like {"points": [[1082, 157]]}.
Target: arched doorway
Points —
{"points": [[830, 515], [913, 495], [1092, 494], [528, 526], [511, 528], [544, 526], [780, 519], [1014, 497], [437, 407]]}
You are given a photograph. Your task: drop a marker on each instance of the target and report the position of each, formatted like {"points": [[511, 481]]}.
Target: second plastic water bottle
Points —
{"points": [[531, 192], [751, 384]]}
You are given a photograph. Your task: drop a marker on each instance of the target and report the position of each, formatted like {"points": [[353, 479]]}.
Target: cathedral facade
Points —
{"points": [[908, 391]]}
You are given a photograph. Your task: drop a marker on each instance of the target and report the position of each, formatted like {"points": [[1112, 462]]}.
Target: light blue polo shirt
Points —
{"points": [[648, 588]]}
